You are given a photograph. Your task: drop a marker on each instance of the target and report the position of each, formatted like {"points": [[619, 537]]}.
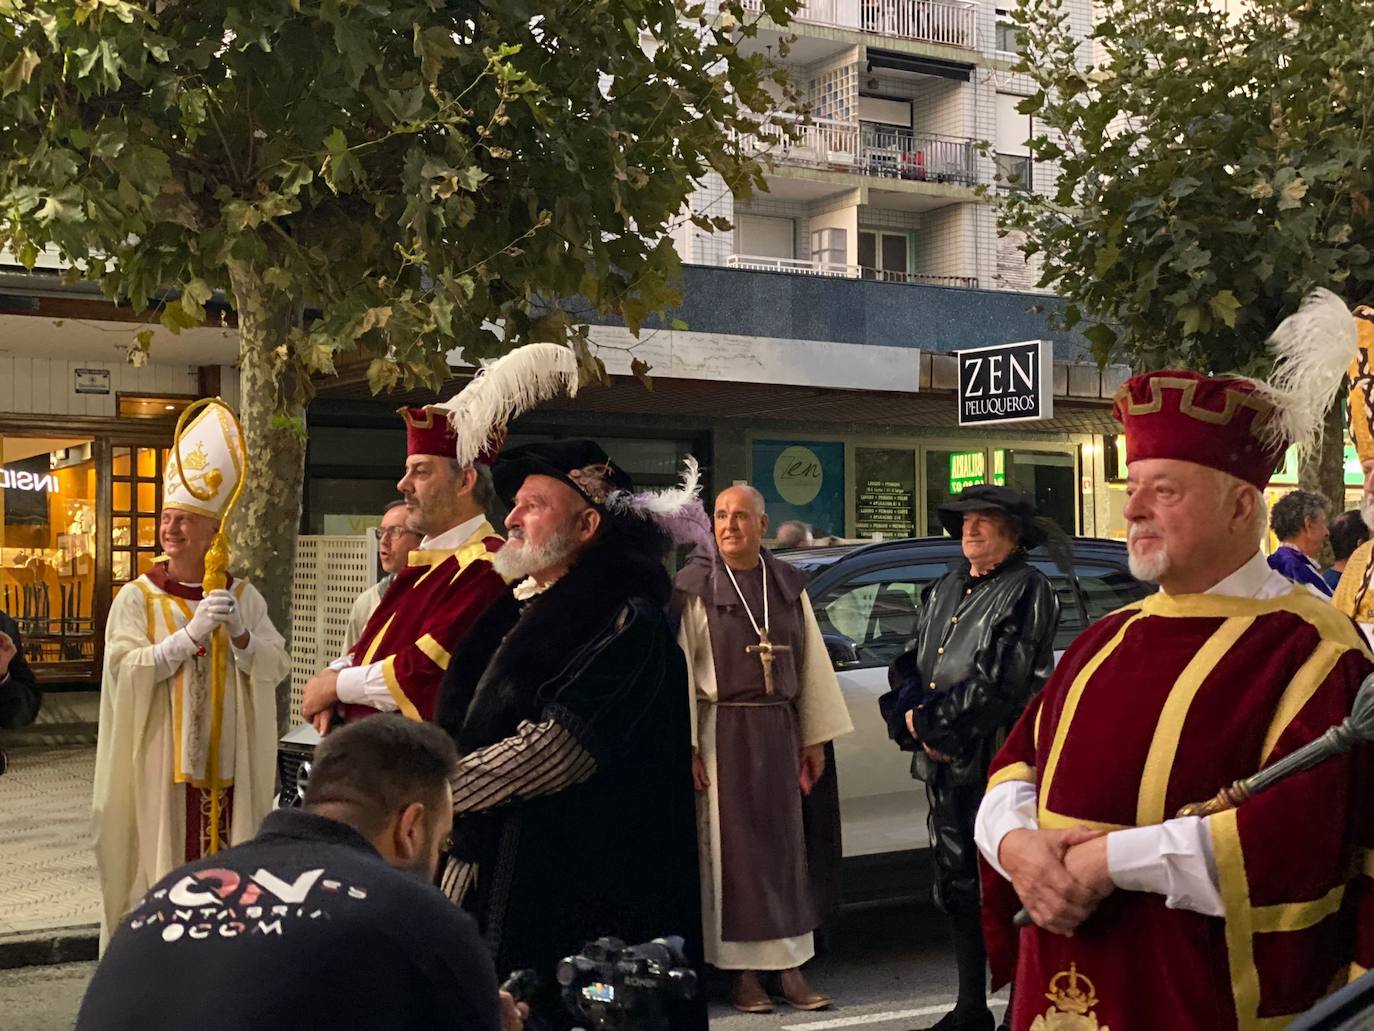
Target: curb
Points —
{"points": [[44, 948]]}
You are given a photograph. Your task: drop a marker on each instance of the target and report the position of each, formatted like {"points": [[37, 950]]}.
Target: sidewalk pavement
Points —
{"points": [[49, 896]]}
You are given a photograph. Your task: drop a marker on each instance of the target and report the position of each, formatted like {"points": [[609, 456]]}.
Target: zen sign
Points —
{"points": [[1006, 383]]}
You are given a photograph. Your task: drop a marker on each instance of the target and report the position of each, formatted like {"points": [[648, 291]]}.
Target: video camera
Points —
{"points": [[614, 987]]}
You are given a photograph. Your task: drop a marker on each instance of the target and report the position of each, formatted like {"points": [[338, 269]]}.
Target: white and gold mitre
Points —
{"points": [[206, 463]]}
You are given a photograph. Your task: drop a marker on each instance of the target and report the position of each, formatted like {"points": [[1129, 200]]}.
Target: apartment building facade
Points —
{"points": [[912, 108]]}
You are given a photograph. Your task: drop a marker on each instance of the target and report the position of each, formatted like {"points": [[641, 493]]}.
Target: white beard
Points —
{"points": [[529, 559], [1367, 511], [1148, 567]]}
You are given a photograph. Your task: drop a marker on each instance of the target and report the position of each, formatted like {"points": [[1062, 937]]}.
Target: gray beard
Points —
{"points": [[529, 559]]}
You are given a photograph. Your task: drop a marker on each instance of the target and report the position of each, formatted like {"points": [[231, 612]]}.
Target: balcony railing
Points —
{"points": [[918, 157], [931, 21], [819, 143], [801, 267], [847, 147], [947, 22]]}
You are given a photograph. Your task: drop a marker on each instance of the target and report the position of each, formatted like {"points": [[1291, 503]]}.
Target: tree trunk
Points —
{"points": [[1323, 471], [265, 522]]}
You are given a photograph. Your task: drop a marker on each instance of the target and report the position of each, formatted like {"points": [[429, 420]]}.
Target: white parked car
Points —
{"points": [[866, 599]]}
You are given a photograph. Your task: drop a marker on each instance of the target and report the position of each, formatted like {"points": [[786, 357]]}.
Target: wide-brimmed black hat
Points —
{"points": [[983, 497], [581, 464]]}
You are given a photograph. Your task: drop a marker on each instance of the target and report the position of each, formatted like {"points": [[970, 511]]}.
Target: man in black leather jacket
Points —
{"points": [[984, 646]]}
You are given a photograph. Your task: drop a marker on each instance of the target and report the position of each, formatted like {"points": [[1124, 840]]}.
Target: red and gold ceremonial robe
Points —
{"points": [[1158, 705], [430, 605]]}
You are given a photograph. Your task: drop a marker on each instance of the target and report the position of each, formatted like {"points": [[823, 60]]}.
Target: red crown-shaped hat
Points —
{"points": [[1216, 421], [428, 433]]}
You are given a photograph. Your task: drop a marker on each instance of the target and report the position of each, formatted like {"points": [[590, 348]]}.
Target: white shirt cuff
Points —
{"points": [[365, 685], [342, 662], [1008, 807], [1173, 859]]}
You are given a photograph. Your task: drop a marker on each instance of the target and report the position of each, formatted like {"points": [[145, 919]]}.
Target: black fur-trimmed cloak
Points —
{"points": [[616, 854]]}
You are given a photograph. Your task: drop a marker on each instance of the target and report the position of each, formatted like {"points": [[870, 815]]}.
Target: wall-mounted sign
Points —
{"points": [[92, 381], [1006, 383], [23, 479], [967, 468], [801, 479]]}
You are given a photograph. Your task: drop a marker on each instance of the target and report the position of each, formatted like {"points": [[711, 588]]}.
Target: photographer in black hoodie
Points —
{"points": [[327, 919]]}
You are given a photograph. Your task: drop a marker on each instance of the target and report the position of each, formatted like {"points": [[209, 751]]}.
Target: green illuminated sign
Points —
{"points": [[967, 468]]}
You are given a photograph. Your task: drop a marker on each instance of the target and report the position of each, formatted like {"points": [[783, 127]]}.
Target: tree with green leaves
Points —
{"points": [[395, 178], [1212, 170]]}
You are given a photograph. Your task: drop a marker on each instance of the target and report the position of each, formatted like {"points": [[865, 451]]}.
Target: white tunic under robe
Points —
{"points": [[823, 717]]}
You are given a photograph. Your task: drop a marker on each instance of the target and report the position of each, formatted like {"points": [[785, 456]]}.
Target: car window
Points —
{"points": [[1105, 589], [877, 609]]}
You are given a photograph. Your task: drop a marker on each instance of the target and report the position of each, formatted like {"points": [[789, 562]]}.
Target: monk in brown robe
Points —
{"points": [[764, 703]]}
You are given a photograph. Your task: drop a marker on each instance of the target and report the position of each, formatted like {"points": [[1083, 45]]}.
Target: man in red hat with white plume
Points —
{"points": [[1144, 919], [448, 581]]}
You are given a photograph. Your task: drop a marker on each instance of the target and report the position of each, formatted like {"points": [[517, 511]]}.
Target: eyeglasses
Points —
{"points": [[394, 533]]}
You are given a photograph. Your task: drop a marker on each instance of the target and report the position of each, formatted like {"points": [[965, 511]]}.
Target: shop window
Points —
{"points": [[136, 507], [349, 506], [884, 492], [949, 471], [1050, 478], [47, 550]]}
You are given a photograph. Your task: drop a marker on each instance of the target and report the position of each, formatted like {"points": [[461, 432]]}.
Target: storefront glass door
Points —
{"points": [[47, 549]]}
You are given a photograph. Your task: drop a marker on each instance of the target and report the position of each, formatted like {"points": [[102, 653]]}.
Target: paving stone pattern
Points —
{"points": [[47, 868]]}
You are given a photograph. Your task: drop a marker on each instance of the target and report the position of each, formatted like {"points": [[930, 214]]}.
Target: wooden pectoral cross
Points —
{"points": [[766, 650]]}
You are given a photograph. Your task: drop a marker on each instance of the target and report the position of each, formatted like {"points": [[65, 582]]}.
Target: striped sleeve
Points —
{"points": [[459, 878], [541, 759]]}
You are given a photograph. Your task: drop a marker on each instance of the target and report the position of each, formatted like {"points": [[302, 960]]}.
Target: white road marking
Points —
{"points": [[880, 1018]]}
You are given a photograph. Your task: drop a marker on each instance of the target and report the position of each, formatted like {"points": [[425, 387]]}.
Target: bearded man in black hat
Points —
{"points": [[574, 812], [984, 646]]}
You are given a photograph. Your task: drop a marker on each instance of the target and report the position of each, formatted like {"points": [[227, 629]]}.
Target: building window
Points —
{"points": [[883, 255], [1014, 132], [1013, 171], [1008, 33], [829, 246]]}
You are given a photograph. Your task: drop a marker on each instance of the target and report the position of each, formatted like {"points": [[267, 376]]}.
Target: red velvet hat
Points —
{"points": [[1216, 421], [428, 433]]}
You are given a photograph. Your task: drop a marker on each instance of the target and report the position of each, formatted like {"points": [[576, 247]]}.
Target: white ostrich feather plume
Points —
{"points": [[1312, 349], [506, 388]]}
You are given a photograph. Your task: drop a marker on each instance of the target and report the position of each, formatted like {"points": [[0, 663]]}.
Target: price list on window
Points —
{"points": [[883, 507], [885, 480]]}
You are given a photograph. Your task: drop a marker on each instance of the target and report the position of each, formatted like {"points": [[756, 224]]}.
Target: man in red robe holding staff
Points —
{"points": [[1144, 919]]}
